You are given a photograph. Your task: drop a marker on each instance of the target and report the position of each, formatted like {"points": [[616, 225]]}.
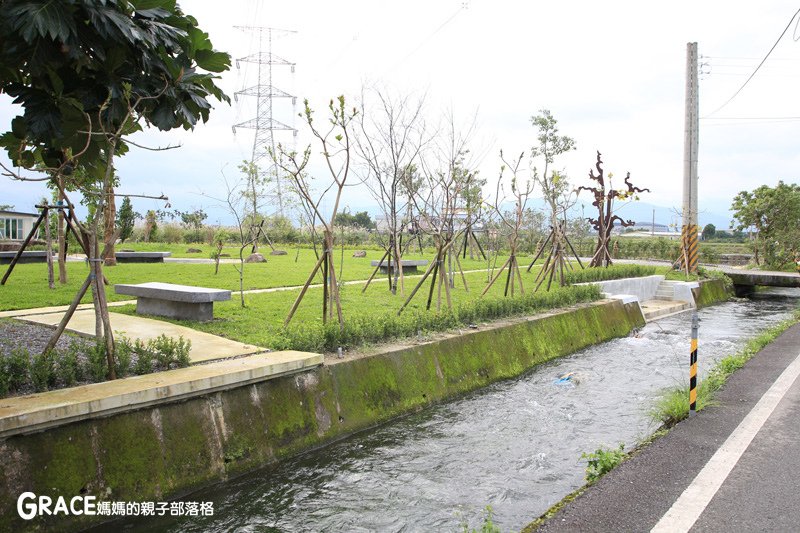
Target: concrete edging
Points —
{"points": [[35, 412]]}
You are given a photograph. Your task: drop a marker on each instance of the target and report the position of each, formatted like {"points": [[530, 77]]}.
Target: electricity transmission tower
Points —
{"points": [[264, 123]]}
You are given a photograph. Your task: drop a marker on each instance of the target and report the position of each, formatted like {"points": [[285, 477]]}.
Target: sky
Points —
{"points": [[612, 73]]}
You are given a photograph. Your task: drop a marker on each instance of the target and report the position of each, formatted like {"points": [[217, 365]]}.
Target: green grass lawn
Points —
{"points": [[27, 286], [261, 321]]}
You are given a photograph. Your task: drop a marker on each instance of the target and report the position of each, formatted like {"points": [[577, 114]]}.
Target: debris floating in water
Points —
{"points": [[567, 379]]}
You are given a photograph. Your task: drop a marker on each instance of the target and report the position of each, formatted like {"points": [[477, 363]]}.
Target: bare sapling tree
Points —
{"points": [[604, 198], [388, 141], [473, 203], [512, 222], [444, 174], [253, 193], [237, 203], [336, 143], [556, 192]]}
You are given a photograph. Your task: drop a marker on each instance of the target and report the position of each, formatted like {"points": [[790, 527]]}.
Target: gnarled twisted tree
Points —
{"points": [[604, 198]]}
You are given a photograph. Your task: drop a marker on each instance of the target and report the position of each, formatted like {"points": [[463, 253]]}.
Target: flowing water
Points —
{"points": [[515, 445]]}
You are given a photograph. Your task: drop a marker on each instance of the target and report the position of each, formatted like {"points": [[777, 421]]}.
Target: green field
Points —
{"points": [[370, 316], [27, 286]]}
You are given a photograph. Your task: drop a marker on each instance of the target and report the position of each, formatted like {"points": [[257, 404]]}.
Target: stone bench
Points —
{"points": [[141, 257], [34, 256], [409, 266], [183, 302]]}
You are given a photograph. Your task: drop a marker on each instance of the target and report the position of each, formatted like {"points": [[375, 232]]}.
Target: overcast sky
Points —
{"points": [[612, 73]]}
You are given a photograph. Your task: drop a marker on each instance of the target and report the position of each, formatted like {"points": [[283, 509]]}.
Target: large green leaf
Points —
{"points": [[143, 5], [213, 61], [41, 18], [198, 38]]}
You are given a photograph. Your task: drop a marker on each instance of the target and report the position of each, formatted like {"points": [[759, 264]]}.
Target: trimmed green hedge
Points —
{"points": [[372, 329], [613, 272]]}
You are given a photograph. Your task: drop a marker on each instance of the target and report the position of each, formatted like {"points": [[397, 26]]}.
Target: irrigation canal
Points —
{"points": [[515, 445]]}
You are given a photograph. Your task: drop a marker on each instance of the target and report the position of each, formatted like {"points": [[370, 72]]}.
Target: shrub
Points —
{"points": [[144, 359], [171, 234], [17, 368], [96, 362], [194, 236], [613, 272], [170, 353], [122, 353], [602, 461], [160, 353], [67, 367], [43, 371], [224, 235], [709, 255]]}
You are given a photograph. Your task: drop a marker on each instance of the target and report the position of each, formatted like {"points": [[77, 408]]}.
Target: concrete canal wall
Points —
{"points": [[166, 450], [712, 291]]}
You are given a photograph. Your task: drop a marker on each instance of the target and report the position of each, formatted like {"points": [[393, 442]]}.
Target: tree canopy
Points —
{"points": [[357, 220], [774, 213], [126, 218], [80, 66]]}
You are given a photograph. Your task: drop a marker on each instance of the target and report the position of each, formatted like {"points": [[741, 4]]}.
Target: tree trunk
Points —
{"points": [[399, 263], [68, 315], [62, 242], [49, 248], [109, 219]]}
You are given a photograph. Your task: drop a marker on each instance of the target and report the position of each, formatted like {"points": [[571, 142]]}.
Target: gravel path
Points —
{"points": [[16, 334]]}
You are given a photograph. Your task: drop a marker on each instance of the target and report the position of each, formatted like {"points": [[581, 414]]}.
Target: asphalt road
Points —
{"points": [[759, 494]]}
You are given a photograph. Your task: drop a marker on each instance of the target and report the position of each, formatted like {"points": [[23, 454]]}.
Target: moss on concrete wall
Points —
{"points": [[712, 291], [170, 450]]}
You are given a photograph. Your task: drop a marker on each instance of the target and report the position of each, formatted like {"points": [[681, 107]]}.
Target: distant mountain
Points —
{"points": [[642, 214], [639, 212]]}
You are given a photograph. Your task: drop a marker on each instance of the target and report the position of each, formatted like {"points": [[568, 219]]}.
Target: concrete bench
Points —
{"points": [[141, 257], [183, 302], [34, 256], [409, 266]]}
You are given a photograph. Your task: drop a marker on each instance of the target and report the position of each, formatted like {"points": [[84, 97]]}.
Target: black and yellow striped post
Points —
{"points": [[690, 245], [693, 367]]}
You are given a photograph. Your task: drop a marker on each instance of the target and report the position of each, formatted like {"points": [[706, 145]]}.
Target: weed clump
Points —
{"points": [[602, 461]]}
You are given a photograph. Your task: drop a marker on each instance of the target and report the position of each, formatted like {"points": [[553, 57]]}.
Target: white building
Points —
{"points": [[15, 226]]}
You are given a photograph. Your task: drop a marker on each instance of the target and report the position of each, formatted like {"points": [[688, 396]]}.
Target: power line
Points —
{"points": [[774, 122], [741, 58], [759, 65], [461, 8], [752, 118]]}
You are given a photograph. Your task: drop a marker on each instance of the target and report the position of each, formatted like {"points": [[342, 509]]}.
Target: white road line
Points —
{"points": [[691, 504]]}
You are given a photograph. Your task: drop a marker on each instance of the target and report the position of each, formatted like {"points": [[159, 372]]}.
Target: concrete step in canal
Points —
{"points": [[666, 290], [658, 308]]}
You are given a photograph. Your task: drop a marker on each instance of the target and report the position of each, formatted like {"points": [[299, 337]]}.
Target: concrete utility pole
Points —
{"points": [[689, 230]]}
